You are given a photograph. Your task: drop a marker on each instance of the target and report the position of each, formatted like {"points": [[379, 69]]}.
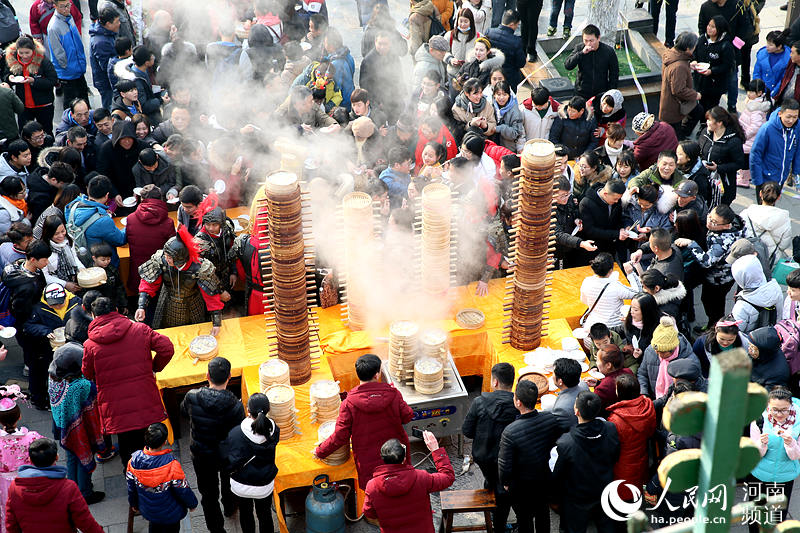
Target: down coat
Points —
{"points": [[212, 415], [756, 291], [577, 135], [635, 421], [157, 486], [676, 85], [118, 358], [398, 495], [648, 370], [149, 227], [775, 152], [371, 414], [770, 368], [772, 225], [658, 138]]}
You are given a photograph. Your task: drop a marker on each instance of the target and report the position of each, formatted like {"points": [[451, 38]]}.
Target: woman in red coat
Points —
{"points": [[118, 357], [635, 419], [148, 228], [398, 495]]}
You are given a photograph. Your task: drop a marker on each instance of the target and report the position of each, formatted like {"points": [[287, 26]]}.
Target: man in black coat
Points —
{"points": [[523, 459], [504, 38], [601, 216], [117, 158], [381, 78], [529, 14], [585, 465], [486, 419], [44, 184], [213, 411], [598, 68]]}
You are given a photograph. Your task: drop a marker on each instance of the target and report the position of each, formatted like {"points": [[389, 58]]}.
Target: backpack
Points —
{"points": [[437, 28], [78, 234], [766, 315], [789, 333], [767, 260], [6, 318], [226, 69], [9, 25]]}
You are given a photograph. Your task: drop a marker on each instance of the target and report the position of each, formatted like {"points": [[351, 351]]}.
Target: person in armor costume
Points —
{"points": [[186, 286], [215, 240], [251, 250]]}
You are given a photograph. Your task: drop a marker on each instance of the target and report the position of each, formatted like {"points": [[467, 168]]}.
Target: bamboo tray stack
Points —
{"points": [[360, 227], [428, 375], [282, 410], [289, 278], [273, 372], [526, 304], [339, 456], [325, 401], [434, 222], [433, 343], [403, 349]]}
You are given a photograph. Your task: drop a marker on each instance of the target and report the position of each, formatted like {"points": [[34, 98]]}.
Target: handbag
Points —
{"points": [[589, 311], [437, 28]]}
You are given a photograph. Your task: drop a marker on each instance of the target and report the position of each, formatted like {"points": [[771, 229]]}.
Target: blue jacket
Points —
{"points": [[345, 69], [66, 48], [398, 186], [102, 50], [157, 486], [503, 37], [103, 229], [775, 152], [776, 466], [68, 121], [771, 75], [44, 319]]}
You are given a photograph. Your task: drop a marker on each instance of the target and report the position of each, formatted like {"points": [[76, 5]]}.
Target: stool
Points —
{"points": [[466, 501]]}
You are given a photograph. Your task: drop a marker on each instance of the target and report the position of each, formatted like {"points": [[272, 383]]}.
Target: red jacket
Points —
{"points": [[607, 387], [658, 138], [118, 358], [443, 137], [371, 414], [398, 495], [45, 505], [149, 227], [40, 16], [635, 421]]}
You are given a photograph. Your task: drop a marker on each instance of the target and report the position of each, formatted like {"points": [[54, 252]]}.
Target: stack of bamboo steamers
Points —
{"points": [[403, 346], [291, 279], [533, 244], [358, 223], [282, 410], [273, 372], [435, 223]]}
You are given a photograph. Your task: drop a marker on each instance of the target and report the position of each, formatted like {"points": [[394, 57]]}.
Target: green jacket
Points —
{"points": [[10, 107], [651, 175]]}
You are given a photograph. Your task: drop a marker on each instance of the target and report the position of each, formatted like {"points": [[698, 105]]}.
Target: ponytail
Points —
{"points": [[258, 407]]}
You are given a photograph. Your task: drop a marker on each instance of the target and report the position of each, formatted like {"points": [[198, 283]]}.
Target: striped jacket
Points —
{"points": [[157, 486]]}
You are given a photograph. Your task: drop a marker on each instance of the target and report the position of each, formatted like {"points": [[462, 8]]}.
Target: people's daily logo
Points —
{"points": [[615, 507]]}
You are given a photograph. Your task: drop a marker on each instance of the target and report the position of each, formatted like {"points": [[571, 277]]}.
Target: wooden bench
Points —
{"points": [[466, 501]]}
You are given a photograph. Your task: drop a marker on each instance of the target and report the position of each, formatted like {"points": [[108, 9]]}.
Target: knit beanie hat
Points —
{"points": [[474, 144], [642, 122], [665, 336], [437, 42]]}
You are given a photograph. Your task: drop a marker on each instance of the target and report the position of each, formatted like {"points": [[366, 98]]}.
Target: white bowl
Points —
{"points": [[137, 191], [244, 217], [8, 332], [584, 367], [124, 221], [596, 374], [16, 79], [236, 226], [580, 333], [576, 355], [219, 186], [551, 384], [548, 401], [173, 200], [130, 201], [569, 344]]}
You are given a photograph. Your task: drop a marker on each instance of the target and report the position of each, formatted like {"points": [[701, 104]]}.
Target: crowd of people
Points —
{"points": [[191, 114]]}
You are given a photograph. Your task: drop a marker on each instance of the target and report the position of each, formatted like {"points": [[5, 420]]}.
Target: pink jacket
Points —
{"points": [[751, 119]]}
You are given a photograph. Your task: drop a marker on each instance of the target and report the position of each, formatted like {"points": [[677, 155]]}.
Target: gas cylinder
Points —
{"points": [[324, 507]]}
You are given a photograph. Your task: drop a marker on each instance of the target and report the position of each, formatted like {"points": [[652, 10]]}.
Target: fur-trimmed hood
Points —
{"points": [[667, 199], [15, 67], [562, 112], [48, 156], [759, 104], [675, 294], [122, 69], [495, 60]]}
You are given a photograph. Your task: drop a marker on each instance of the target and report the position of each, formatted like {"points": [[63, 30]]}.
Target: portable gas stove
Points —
{"points": [[443, 413]]}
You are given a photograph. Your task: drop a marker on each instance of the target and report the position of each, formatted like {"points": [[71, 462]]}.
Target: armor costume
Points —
{"points": [[247, 257], [215, 248], [186, 291]]}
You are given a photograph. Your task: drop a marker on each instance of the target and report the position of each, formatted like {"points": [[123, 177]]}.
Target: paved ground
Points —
{"points": [[112, 513]]}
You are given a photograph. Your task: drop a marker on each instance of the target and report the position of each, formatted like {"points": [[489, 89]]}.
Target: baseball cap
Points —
{"points": [[54, 294], [686, 189], [740, 248]]}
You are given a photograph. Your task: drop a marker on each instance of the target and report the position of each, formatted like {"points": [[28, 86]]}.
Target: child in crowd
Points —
{"points": [[608, 111], [751, 119], [190, 197], [215, 240], [76, 419], [157, 486], [14, 442], [625, 168], [433, 157], [398, 175], [574, 127], [113, 288], [538, 114], [601, 337], [19, 236]]}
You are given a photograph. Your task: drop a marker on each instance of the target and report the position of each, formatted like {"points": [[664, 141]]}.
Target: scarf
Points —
{"points": [[788, 423], [26, 87], [613, 153], [664, 380], [501, 111], [638, 323], [66, 268], [22, 205], [465, 103]]}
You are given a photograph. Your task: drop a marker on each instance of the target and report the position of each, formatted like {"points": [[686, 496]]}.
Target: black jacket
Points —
{"points": [[732, 11], [586, 458], [525, 450], [248, 462], [566, 242], [116, 162], [162, 177], [77, 328], [503, 37], [598, 71], [40, 193], [486, 419], [770, 367], [577, 135], [212, 415], [26, 289], [722, 58], [727, 153], [600, 224]]}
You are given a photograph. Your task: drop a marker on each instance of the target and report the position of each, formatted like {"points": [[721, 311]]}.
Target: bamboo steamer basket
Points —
{"points": [[339, 456], [325, 401], [281, 409], [403, 349], [433, 343], [91, 277], [428, 375], [273, 372], [203, 348]]}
